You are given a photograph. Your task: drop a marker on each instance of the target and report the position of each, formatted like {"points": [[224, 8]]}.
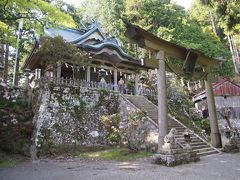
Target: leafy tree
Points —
{"points": [[36, 14], [225, 15], [56, 49]]}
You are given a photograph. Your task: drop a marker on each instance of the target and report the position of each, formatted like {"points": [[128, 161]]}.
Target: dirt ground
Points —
{"points": [[217, 167]]}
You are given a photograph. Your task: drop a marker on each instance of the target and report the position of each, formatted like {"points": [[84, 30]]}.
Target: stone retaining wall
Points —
{"points": [[67, 115], [140, 131]]}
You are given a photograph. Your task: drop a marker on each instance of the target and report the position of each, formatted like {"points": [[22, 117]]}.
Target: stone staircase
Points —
{"points": [[198, 144]]}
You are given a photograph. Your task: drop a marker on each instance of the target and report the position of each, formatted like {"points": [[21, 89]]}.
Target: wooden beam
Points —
{"points": [[170, 67], [171, 51], [149, 41]]}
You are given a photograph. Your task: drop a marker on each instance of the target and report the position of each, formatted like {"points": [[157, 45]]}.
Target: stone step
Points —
{"points": [[200, 150], [181, 140], [193, 144], [178, 135], [206, 153], [175, 126], [174, 123], [198, 145], [179, 130], [192, 138]]}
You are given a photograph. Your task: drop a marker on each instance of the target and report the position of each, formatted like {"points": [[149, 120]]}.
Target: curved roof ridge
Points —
{"points": [[93, 27], [103, 44]]}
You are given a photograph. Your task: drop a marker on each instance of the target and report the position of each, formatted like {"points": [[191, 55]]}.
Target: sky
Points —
{"points": [[185, 3]]}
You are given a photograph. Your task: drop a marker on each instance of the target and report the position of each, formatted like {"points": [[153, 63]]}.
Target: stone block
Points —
{"points": [[169, 157], [233, 145]]}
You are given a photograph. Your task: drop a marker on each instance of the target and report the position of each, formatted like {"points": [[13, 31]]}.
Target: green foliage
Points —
{"points": [[228, 13], [55, 49], [135, 117], [219, 19], [7, 163], [46, 143], [105, 99], [15, 138], [35, 14], [34, 10], [111, 122], [130, 84], [203, 124], [105, 11], [129, 129], [15, 123]]}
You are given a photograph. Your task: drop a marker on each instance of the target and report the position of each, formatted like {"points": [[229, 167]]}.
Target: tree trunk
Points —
{"points": [[235, 53], [214, 27], [2, 55], [5, 72]]}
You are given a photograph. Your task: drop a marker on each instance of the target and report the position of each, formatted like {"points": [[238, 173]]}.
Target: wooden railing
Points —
{"points": [[91, 85], [75, 83]]}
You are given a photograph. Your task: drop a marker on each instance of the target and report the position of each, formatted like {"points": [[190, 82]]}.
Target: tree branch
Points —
{"points": [[4, 6]]}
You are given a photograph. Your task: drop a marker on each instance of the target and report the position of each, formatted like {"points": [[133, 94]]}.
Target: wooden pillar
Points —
{"points": [[88, 74], [115, 80], [162, 99], [59, 67], [136, 79], [215, 135]]}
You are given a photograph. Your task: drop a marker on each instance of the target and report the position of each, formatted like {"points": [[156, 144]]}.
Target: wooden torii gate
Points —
{"points": [[191, 59]]}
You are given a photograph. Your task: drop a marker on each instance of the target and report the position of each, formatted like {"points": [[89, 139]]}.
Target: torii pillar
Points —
{"points": [[162, 99], [215, 135], [59, 68], [136, 79]]}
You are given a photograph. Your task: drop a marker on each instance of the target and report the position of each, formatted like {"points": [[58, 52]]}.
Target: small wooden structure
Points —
{"points": [[195, 65], [226, 95]]}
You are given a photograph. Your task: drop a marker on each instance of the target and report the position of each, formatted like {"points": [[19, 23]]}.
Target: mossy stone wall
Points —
{"points": [[72, 116]]}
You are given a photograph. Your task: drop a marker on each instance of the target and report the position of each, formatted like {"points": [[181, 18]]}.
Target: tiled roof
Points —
{"points": [[224, 87], [79, 36]]}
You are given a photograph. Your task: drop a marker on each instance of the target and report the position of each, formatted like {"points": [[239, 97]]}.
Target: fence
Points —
{"points": [[75, 83], [152, 93]]}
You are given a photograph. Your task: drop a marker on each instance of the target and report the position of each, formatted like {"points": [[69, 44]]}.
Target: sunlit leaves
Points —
{"points": [[55, 49]]}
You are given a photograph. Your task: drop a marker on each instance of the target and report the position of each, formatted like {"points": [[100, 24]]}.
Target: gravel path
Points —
{"points": [[217, 167]]}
